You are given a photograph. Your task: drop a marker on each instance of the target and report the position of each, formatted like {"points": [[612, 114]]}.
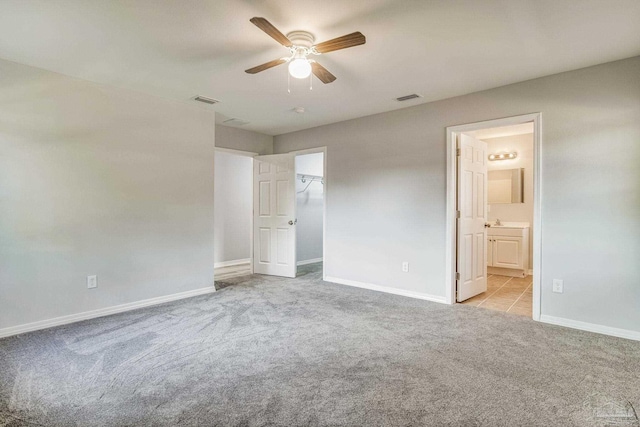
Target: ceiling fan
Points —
{"points": [[301, 45]]}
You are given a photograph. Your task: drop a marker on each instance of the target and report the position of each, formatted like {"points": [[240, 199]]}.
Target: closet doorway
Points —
{"points": [[269, 213], [310, 201], [289, 213]]}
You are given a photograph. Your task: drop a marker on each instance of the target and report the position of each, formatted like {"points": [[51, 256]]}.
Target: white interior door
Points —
{"points": [[274, 215], [472, 217]]}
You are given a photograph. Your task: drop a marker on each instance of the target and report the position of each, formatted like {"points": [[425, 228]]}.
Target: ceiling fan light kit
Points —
{"points": [[301, 45], [299, 68], [299, 65]]}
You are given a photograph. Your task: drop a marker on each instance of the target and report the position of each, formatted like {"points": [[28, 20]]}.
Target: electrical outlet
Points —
{"points": [[405, 267], [558, 284], [92, 282]]}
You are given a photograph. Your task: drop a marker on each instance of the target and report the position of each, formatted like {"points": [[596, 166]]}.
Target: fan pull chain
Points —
{"points": [[288, 83], [311, 81]]}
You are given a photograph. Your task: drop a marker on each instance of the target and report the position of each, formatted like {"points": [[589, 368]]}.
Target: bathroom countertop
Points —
{"points": [[507, 224]]}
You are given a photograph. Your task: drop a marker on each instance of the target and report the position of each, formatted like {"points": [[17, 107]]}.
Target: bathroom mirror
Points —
{"points": [[505, 186]]}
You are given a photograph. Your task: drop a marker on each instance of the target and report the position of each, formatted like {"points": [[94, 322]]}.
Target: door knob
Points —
{"points": [[291, 222]]}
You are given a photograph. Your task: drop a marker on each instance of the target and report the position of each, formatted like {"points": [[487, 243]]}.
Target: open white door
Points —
{"points": [[274, 215], [472, 217]]}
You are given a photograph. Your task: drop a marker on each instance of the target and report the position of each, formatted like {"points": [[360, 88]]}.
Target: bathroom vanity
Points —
{"points": [[508, 249]]}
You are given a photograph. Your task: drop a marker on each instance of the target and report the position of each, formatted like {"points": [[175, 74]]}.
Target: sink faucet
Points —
{"points": [[498, 221]]}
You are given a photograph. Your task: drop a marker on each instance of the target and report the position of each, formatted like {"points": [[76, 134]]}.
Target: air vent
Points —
{"points": [[206, 100], [408, 97], [235, 122]]}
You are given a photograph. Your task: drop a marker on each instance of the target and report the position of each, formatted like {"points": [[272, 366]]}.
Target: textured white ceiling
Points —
{"points": [[439, 49]]}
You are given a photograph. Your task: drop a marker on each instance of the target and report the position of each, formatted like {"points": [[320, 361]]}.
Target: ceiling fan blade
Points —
{"points": [[266, 26], [350, 40], [322, 73], [265, 66]]}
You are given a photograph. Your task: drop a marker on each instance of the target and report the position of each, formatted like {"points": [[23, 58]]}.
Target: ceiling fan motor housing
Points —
{"points": [[301, 38]]}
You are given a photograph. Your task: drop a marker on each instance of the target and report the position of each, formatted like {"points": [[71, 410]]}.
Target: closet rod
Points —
{"points": [[310, 179], [305, 178]]}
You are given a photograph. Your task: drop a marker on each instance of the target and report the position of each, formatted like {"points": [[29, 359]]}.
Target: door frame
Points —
{"points": [[243, 154], [452, 185], [325, 188]]}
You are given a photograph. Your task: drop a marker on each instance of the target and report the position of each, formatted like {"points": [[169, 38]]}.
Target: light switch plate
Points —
{"points": [[405, 267]]}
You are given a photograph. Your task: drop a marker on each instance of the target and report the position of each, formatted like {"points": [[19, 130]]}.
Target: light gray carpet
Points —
{"points": [[302, 352]]}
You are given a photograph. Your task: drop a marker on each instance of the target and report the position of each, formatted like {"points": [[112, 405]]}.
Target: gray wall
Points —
{"points": [[244, 140], [515, 212], [386, 189], [309, 208], [233, 207], [96, 180]]}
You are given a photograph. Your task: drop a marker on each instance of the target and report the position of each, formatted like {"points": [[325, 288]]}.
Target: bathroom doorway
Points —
{"points": [[493, 215]]}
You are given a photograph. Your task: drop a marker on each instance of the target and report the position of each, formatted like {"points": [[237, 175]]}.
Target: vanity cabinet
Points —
{"points": [[508, 250]]}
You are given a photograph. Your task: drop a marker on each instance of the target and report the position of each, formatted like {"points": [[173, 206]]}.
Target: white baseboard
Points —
{"points": [[591, 327], [63, 320], [386, 289], [309, 261], [232, 263]]}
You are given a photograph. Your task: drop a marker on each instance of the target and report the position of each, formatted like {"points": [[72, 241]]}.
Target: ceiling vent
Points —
{"points": [[206, 100], [408, 97], [235, 122]]}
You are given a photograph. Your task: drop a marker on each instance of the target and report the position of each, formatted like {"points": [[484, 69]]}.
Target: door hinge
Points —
{"points": [[458, 152], [457, 214], [457, 276]]}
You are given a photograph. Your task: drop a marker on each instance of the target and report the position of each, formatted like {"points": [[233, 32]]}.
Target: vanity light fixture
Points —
{"points": [[503, 156]]}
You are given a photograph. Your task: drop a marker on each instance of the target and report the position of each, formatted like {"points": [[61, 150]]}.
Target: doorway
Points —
{"points": [[309, 211], [233, 214], [493, 214], [289, 212]]}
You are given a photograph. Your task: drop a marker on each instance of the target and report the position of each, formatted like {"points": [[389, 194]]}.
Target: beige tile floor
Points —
{"points": [[504, 293]]}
